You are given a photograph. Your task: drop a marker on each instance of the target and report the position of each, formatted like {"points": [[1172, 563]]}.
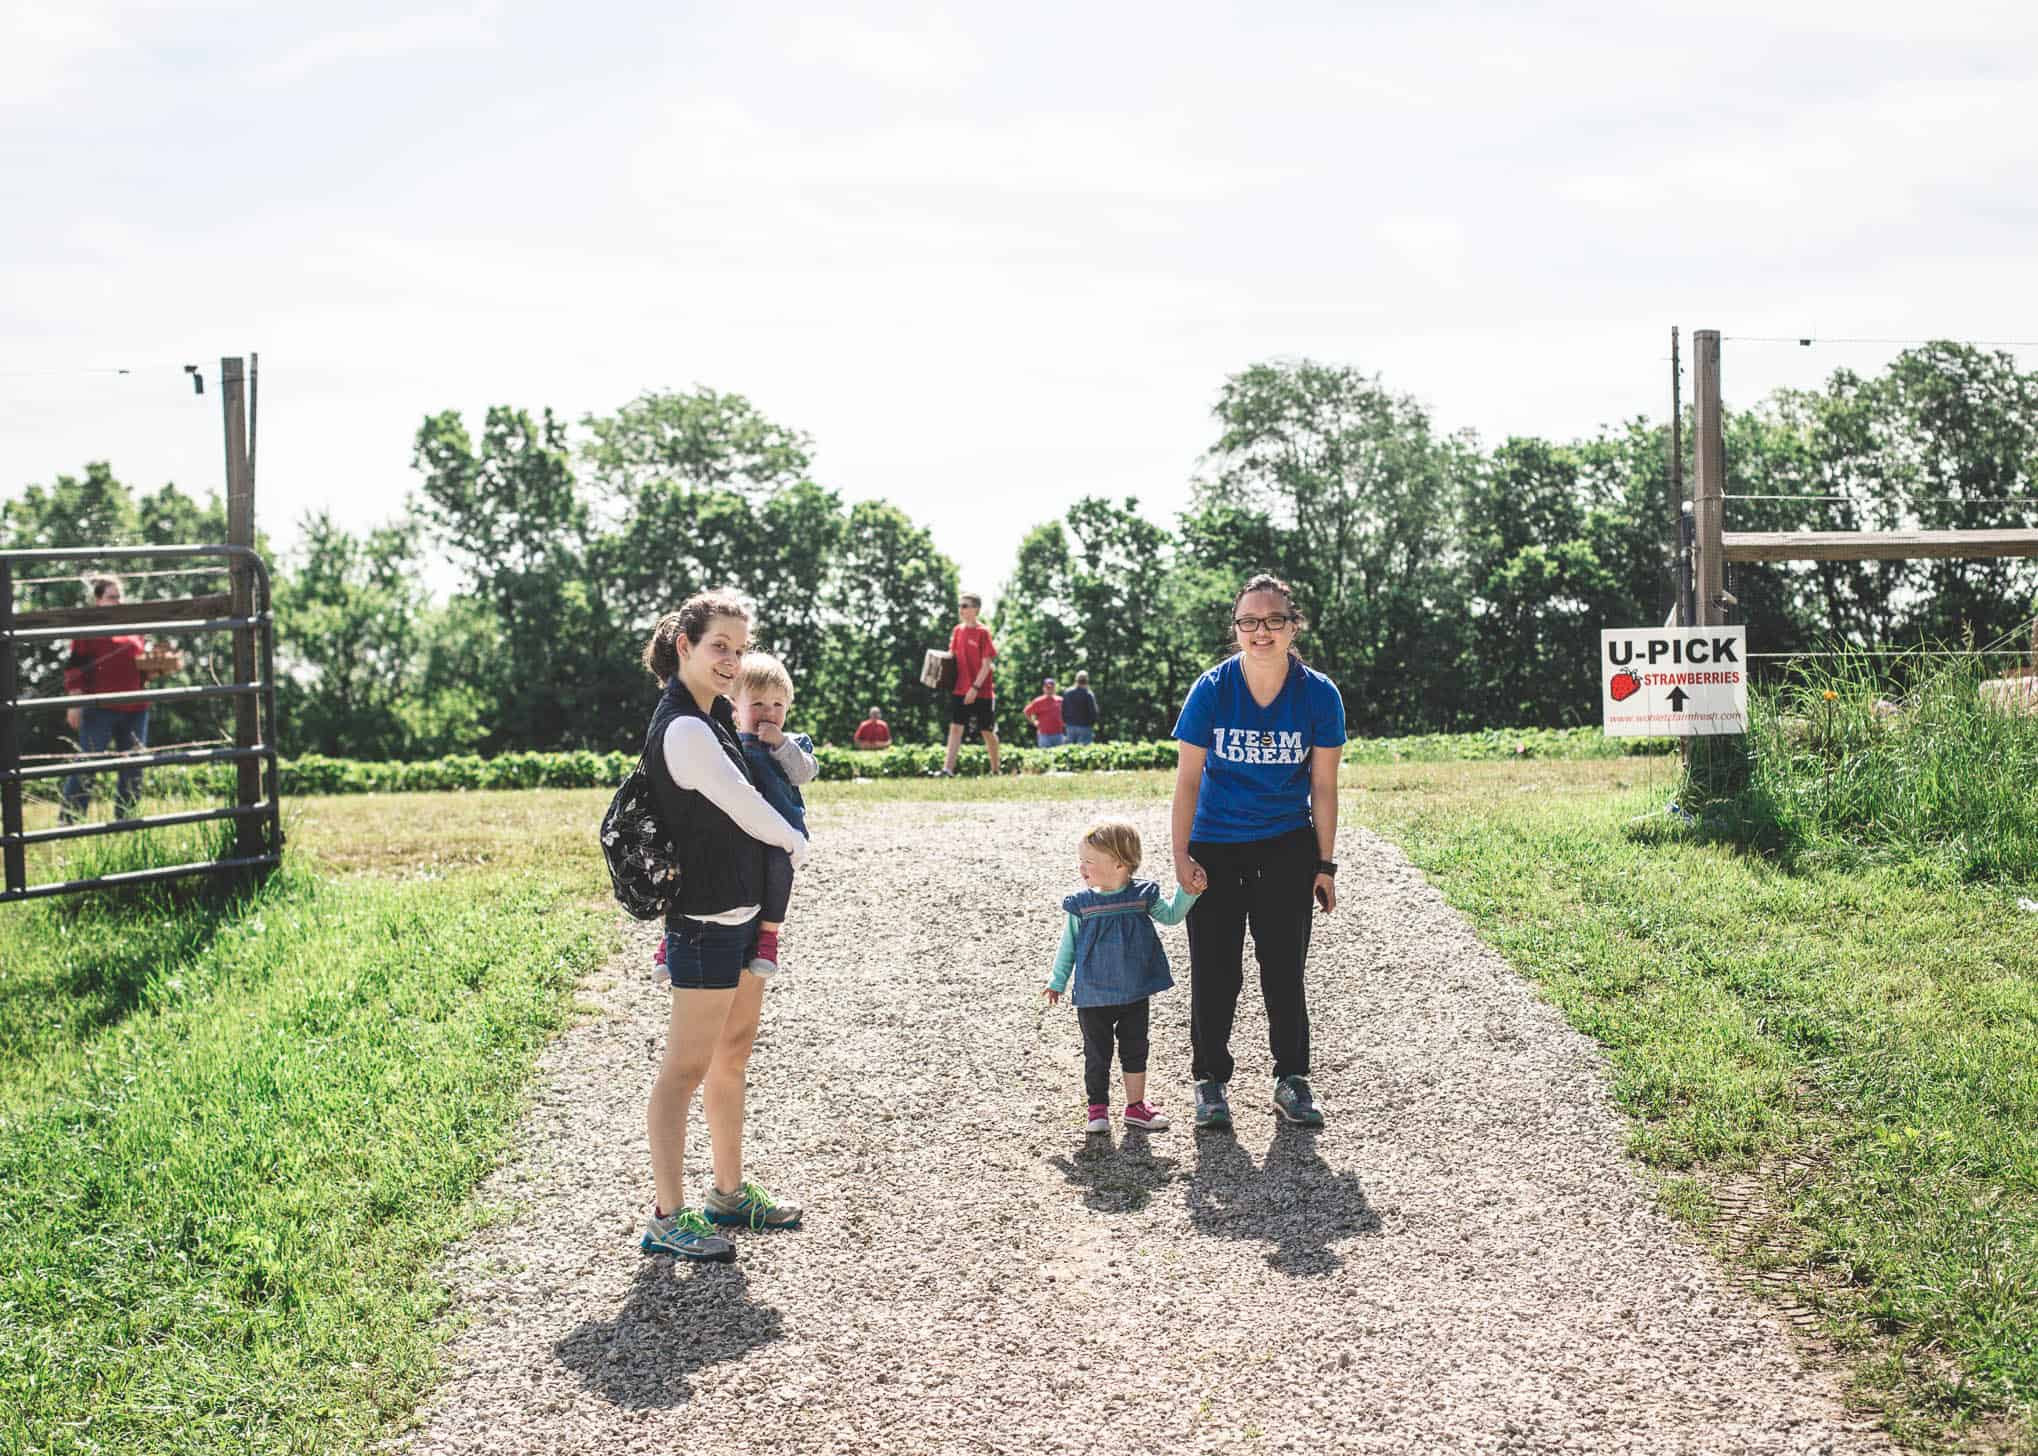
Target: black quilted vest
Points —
{"points": [[720, 867]]}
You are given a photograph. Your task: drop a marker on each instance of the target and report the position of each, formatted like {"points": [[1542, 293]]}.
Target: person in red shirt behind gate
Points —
{"points": [[1045, 713], [105, 665], [973, 705], [874, 732]]}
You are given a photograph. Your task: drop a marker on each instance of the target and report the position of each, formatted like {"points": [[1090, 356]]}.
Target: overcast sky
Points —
{"points": [[991, 257]]}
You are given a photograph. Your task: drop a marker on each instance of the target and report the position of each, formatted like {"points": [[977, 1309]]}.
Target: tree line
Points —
{"points": [[1448, 585]]}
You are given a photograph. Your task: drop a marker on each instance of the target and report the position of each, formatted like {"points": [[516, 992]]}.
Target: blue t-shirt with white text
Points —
{"points": [[1256, 774]]}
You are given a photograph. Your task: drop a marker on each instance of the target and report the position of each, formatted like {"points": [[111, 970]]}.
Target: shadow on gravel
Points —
{"points": [[1117, 1177], [1297, 1203], [676, 1321]]}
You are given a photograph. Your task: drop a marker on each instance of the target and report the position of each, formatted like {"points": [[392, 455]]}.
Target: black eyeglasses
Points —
{"points": [[1274, 623]]}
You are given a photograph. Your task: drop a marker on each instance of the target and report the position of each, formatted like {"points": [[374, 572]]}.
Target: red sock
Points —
{"points": [[767, 946]]}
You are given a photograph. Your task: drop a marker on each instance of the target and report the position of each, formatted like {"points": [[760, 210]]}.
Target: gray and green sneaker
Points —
{"points": [[751, 1208], [1296, 1103], [686, 1235], [1212, 1110]]}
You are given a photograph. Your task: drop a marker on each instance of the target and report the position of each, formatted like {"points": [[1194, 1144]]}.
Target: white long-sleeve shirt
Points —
{"points": [[696, 760]]}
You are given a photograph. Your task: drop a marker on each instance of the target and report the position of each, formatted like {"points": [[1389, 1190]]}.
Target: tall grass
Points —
{"points": [[1839, 774]]}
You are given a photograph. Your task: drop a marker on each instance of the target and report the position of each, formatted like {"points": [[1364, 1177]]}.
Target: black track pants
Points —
{"points": [[1266, 884], [1101, 1024]]}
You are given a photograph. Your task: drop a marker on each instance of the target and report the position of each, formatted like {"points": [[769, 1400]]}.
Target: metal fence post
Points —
{"points": [[15, 854]]}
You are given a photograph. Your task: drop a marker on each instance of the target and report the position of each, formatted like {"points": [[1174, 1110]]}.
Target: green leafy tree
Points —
{"points": [[704, 440], [891, 596], [351, 617], [1038, 624], [512, 517], [1354, 494]]}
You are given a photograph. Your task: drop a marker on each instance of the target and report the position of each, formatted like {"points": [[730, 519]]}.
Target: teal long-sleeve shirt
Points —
{"points": [[1169, 912]]}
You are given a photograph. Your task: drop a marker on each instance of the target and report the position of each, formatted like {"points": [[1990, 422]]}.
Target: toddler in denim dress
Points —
{"points": [[1111, 950]]}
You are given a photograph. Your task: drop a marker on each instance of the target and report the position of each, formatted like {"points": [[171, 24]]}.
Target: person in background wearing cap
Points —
{"points": [[1079, 711], [1045, 714]]}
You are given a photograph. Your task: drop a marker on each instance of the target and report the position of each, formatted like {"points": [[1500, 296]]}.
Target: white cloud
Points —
{"points": [[475, 28], [992, 259], [931, 54], [44, 48]]}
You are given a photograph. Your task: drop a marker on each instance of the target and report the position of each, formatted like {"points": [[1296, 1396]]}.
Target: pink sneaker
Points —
{"points": [[1146, 1115], [1100, 1117]]}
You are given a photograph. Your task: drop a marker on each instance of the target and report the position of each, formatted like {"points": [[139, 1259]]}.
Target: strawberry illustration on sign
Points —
{"points": [[1624, 685]]}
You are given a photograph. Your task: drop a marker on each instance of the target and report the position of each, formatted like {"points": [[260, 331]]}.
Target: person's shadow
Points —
{"points": [[1297, 1203], [677, 1319], [1117, 1177]]}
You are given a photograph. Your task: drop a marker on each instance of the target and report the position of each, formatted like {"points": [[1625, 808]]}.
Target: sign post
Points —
{"points": [[1673, 682]]}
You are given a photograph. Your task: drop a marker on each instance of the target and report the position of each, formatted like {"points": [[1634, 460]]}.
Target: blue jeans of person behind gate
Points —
{"points": [[101, 730], [1082, 733]]}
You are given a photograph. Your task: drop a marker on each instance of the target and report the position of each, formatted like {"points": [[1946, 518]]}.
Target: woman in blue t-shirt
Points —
{"points": [[1255, 825]]}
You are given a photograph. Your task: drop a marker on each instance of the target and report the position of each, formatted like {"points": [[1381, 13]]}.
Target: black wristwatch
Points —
{"points": [[1327, 867]]}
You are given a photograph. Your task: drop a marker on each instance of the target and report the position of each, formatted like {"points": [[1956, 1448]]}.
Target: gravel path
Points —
{"points": [[1462, 1261]]}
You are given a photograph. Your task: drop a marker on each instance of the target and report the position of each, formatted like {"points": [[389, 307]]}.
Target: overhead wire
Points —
{"points": [[1807, 340]]}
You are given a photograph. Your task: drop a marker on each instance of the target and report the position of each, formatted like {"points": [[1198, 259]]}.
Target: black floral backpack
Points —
{"points": [[643, 861]]}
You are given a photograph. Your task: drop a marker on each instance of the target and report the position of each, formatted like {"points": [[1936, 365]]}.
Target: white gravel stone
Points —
{"points": [[1463, 1260]]}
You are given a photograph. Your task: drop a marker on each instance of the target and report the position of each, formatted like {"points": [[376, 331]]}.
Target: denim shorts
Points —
{"points": [[1053, 740], [1082, 733], [703, 956]]}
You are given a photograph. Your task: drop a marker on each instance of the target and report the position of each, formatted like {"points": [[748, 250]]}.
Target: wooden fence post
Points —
{"points": [[1709, 491], [240, 531]]}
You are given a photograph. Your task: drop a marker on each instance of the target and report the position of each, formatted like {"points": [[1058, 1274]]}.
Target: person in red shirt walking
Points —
{"points": [[973, 706], [105, 665], [874, 732], [1045, 715]]}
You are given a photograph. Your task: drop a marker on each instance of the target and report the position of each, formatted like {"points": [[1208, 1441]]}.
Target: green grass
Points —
{"points": [[1939, 781], [1861, 1039], [236, 1133]]}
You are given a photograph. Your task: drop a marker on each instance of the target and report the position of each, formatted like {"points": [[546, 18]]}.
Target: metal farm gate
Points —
{"points": [[246, 613]]}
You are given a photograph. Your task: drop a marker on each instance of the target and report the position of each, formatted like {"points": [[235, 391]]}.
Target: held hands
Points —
{"points": [[1190, 875], [1326, 893]]}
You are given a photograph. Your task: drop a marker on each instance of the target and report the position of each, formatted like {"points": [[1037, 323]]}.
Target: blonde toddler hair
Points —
{"points": [[760, 672], [1117, 838]]}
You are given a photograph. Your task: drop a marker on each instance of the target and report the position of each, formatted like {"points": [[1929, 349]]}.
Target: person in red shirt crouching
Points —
{"points": [[106, 665], [874, 732]]}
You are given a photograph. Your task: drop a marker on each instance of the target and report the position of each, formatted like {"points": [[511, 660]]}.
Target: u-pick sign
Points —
{"points": [[1673, 681]]}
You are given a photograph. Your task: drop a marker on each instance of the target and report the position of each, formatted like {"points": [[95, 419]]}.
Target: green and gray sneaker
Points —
{"points": [[751, 1208], [686, 1235], [1295, 1102], [1212, 1110]]}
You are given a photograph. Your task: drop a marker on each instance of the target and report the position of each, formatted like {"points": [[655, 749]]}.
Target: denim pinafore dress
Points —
{"points": [[1118, 952]]}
